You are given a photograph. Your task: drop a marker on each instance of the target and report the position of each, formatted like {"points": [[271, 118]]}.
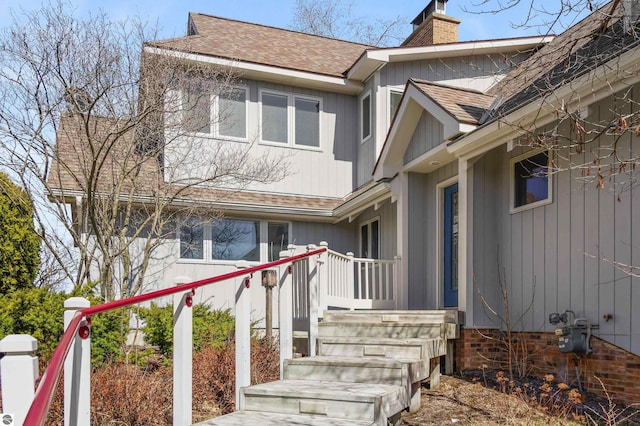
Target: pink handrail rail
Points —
{"points": [[37, 414]]}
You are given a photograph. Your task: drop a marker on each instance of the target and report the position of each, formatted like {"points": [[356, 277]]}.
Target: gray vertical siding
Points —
{"points": [[467, 70], [428, 134], [558, 256], [366, 151], [423, 229], [342, 237]]}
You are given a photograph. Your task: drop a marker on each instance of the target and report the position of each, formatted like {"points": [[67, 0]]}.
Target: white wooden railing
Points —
{"points": [[309, 282]]}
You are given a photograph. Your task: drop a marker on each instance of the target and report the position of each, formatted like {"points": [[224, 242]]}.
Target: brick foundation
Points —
{"points": [[618, 369]]}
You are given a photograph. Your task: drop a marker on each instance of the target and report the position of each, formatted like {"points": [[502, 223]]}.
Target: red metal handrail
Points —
{"points": [[37, 414]]}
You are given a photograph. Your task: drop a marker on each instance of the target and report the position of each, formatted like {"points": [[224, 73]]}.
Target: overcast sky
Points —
{"points": [[171, 15]]}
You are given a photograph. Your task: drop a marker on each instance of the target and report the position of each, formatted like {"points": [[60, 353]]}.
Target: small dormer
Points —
{"points": [[433, 26]]}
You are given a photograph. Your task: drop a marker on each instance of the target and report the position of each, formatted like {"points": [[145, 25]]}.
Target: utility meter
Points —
{"points": [[573, 337]]}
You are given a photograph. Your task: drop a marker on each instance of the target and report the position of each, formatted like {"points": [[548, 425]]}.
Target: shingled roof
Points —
{"points": [[264, 45], [590, 43], [465, 105]]}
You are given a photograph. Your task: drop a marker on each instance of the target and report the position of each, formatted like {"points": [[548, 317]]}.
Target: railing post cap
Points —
{"points": [[181, 280], [242, 264], [18, 343], [311, 247], [324, 244], [350, 254], [76, 303]]}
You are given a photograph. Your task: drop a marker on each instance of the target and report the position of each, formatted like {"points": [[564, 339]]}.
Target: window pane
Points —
{"points": [[274, 118], [233, 113], [366, 117], [235, 240], [307, 122], [278, 239], [394, 103], [375, 239], [196, 110], [531, 179], [191, 239], [364, 241]]}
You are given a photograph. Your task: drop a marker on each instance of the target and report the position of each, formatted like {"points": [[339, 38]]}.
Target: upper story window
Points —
{"points": [[365, 116], [394, 102], [232, 113], [290, 119], [232, 239], [530, 181], [227, 120]]}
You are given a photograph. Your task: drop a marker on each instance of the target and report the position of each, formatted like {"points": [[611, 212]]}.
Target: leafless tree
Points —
{"points": [[594, 143], [101, 126], [336, 19]]}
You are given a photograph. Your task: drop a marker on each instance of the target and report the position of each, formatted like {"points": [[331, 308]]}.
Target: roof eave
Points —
{"points": [[270, 73], [372, 59], [587, 89]]}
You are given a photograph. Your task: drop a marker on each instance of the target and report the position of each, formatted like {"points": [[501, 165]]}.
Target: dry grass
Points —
{"points": [[461, 402]]}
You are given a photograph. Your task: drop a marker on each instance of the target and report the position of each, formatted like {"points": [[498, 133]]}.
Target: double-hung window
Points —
{"points": [[289, 119], [213, 240], [222, 115]]}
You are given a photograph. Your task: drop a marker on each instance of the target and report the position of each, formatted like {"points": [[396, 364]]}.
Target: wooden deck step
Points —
{"points": [[395, 330], [386, 316], [250, 418], [381, 347], [375, 403]]}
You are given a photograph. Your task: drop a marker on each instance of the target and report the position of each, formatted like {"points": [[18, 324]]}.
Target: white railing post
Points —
{"points": [[182, 355], [285, 310], [351, 284], [397, 277], [243, 335], [77, 371], [323, 287], [314, 272], [18, 373]]}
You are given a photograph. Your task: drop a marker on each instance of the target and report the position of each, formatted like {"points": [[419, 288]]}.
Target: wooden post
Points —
{"points": [[77, 371], [18, 373], [269, 280], [243, 335], [182, 356], [285, 310]]}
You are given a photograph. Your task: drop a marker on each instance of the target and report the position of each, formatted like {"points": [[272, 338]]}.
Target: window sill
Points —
{"points": [[289, 146], [530, 206]]}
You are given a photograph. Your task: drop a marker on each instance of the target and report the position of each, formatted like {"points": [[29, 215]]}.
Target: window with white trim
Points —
{"points": [[228, 120], [530, 180], [290, 119], [232, 239], [370, 239], [394, 102], [365, 117]]}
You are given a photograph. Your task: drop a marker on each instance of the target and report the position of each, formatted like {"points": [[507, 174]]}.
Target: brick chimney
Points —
{"points": [[433, 26]]}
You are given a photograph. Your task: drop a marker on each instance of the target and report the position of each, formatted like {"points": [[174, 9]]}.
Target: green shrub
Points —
{"points": [[210, 327]]}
